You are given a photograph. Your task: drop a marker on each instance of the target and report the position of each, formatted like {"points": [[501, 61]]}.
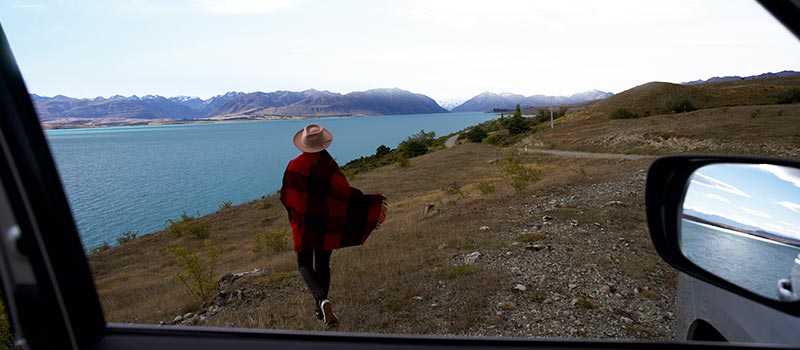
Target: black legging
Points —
{"points": [[315, 268]]}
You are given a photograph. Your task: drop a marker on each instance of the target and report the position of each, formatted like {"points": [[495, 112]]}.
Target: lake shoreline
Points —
{"points": [[69, 123]]}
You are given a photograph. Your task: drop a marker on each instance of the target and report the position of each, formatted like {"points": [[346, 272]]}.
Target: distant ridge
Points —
{"points": [[786, 73], [489, 101], [236, 105]]}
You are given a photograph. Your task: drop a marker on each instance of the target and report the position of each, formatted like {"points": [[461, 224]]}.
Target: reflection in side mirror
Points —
{"points": [[741, 222]]}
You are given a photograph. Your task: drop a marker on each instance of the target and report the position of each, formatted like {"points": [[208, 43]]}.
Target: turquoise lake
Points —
{"points": [[135, 178]]}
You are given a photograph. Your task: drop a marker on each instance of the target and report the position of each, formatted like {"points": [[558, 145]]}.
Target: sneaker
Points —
{"points": [[318, 311], [327, 313]]}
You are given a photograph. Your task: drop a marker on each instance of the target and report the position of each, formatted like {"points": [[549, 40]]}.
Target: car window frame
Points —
{"points": [[64, 309]]}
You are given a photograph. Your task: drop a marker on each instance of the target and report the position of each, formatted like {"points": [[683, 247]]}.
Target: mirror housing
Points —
{"points": [[667, 183]]}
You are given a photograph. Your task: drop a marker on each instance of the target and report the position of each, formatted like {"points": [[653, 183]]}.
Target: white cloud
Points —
{"points": [[790, 205], [240, 7], [756, 213], [790, 175], [27, 6], [710, 182], [716, 197]]}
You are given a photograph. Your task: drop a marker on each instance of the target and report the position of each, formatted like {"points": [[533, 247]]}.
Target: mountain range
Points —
{"points": [[238, 105], [488, 101], [785, 73]]}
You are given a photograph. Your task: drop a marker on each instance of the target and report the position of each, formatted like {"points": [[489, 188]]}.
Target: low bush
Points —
{"points": [[197, 274], [677, 104], [517, 175], [788, 96], [270, 242], [476, 134], [126, 237], [224, 205], [486, 187], [413, 148], [188, 226], [403, 162], [102, 247], [622, 113], [492, 140]]}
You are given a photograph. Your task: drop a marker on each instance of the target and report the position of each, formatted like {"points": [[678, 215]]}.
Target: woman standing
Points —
{"points": [[325, 212]]}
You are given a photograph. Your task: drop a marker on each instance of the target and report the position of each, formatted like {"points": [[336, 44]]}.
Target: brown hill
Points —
{"points": [[649, 99], [724, 110]]}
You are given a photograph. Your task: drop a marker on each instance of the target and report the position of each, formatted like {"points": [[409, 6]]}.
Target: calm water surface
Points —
{"points": [[135, 178], [749, 261]]}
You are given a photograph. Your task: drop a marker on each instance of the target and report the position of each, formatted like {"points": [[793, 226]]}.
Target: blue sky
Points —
{"points": [[446, 49], [764, 196]]}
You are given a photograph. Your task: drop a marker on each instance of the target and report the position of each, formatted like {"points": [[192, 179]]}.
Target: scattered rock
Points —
{"points": [[614, 203], [177, 319], [534, 247], [520, 287], [471, 258], [428, 209], [188, 315], [626, 320], [547, 218], [417, 297], [572, 285], [597, 224], [573, 223], [442, 246], [485, 228]]}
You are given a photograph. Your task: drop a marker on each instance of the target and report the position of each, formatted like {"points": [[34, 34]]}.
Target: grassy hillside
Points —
{"points": [[738, 117], [582, 266]]}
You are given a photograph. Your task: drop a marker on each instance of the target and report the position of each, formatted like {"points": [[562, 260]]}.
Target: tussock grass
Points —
{"points": [[409, 277]]}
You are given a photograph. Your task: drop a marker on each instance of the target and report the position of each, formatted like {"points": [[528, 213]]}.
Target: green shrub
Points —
{"points": [[126, 237], [413, 148], [517, 175], [102, 247], [538, 296], [403, 162], [495, 125], [382, 151], [677, 104], [486, 187], [476, 134], [492, 140], [586, 304], [788, 96], [188, 226], [224, 205], [517, 125], [197, 274], [270, 242], [622, 113]]}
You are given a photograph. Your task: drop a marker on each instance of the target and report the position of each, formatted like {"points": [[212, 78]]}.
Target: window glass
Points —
{"points": [[510, 140]]}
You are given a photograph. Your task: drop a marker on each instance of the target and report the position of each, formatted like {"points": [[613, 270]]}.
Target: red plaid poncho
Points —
{"points": [[324, 211]]}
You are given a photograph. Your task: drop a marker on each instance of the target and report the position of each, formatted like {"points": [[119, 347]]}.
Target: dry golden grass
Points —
{"points": [[408, 278], [734, 118]]}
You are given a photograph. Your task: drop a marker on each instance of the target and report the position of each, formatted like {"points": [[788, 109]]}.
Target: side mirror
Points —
{"points": [[733, 222]]}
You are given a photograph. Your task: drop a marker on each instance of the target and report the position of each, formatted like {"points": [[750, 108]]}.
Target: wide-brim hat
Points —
{"points": [[313, 138]]}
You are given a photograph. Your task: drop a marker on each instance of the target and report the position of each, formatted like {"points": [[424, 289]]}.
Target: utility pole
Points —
{"points": [[551, 117]]}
